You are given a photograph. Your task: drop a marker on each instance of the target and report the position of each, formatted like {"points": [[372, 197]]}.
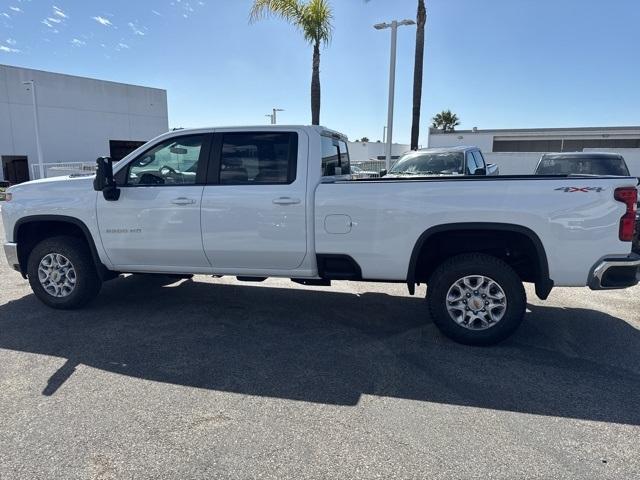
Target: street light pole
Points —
{"points": [[31, 84], [275, 115], [392, 80]]}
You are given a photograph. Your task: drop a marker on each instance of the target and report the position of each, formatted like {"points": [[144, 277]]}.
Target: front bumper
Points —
{"points": [[612, 273], [11, 252]]}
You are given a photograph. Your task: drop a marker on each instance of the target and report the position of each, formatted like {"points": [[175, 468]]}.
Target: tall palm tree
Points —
{"points": [[446, 120], [421, 20], [313, 19]]}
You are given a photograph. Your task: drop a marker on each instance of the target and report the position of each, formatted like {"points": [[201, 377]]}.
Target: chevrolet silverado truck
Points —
{"points": [[259, 202]]}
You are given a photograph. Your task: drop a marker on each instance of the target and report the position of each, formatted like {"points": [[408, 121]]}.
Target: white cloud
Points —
{"points": [[103, 21], [5, 14], [77, 42], [16, 9], [11, 41], [156, 13], [122, 46], [57, 18], [58, 12], [134, 28], [8, 49]]}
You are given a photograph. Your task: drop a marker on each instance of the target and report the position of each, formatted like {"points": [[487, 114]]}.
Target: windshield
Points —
{"points": [[582, 165], [430, 163]]}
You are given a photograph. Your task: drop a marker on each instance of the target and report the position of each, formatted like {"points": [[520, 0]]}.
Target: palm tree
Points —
{"points": [[446, 120], [421, 20], [313, 19]]}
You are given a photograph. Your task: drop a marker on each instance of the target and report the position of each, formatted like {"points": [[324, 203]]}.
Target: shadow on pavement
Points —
{"points": [[331, 347]]}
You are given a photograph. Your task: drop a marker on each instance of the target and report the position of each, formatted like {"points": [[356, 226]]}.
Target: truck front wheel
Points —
{"points": [[62, 273], [476, 299]]}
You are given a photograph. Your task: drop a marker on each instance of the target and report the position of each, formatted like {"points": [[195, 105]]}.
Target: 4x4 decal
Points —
{"points": [[579, 189]]}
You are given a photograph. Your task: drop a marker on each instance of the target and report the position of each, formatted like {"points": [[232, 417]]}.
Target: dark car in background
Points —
{"points": [[582, 163]]}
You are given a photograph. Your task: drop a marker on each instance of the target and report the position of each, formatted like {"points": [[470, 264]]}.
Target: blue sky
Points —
{"points": [[496, 63]]}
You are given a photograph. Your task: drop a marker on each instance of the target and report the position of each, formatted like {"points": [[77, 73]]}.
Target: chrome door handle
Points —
{"points": [[183, 201], [286, 201]]}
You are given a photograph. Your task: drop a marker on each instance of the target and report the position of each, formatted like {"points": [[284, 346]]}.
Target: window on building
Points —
{"points": [[568, 145], [580, 145], [527, 145]]}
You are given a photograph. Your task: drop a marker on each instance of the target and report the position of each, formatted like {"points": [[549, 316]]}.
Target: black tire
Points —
{"points": [[87, 281], [456, 268]]}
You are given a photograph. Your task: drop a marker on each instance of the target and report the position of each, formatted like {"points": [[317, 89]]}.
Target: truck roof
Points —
{"points": [[319, 128], [448, 149], [591, 155]]}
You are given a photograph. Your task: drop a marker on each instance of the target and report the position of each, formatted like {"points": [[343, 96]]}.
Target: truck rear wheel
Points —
{"points": [[476, 299], [62, 273]]}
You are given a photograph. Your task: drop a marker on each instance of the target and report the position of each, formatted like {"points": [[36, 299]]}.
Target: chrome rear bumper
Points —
{"points": [[11, 252], [612, 273]]}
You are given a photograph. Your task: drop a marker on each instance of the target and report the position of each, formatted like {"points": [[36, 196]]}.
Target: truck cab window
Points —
{"points": [[479, 159], [173, 162], [255, 158], [335, 157], [471, 164]]}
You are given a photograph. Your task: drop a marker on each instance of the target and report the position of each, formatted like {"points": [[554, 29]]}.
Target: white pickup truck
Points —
{"points": [[258, 202]]}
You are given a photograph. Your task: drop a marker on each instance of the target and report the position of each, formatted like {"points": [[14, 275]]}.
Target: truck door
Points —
{"points": [[254, 203], [155, 224]]}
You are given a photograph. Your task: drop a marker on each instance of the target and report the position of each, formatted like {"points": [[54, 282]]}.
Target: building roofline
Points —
{"points": [[537, 130], [3, 65]]}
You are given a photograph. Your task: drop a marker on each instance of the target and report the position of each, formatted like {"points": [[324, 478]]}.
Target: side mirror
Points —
{"points": [[104, 181], [383, 172], [480, 171]]}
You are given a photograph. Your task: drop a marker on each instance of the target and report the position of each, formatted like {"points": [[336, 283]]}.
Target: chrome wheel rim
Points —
{"points": [[476, 302], [57, 275]]}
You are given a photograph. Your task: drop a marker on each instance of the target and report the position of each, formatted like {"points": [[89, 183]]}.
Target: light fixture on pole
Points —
{"points": [[274, 118], [31, 85], [392, 79]]}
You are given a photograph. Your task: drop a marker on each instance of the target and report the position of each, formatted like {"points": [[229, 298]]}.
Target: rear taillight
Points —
{"points": [[628, 196]]}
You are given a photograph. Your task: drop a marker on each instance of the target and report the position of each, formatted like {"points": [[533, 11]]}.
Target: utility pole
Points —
{"points": [[392, 79], [32, 85]]}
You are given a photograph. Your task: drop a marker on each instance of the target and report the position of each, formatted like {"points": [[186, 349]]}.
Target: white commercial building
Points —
{"points": [[517, 151], [79, 119]]}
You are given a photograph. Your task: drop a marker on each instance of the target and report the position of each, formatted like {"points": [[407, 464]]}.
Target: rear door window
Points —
{"points": [[258, 158], [335, 157]]}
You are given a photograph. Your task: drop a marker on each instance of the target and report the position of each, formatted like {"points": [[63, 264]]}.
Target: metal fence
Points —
{"points": [[368, 169], [60, 169]]}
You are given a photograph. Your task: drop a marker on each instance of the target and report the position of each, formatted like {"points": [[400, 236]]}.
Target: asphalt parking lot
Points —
{"points": [[213, 378]]}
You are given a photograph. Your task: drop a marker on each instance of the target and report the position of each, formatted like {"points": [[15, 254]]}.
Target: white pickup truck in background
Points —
{"points": [[442, 162], [258, 202]]}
